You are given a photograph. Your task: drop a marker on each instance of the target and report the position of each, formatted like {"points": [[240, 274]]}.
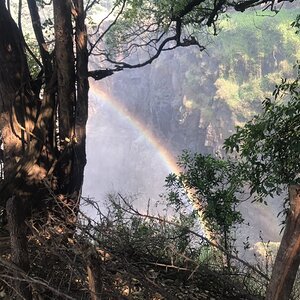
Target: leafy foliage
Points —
{"points": [[246, 62], [268, 146], [146, 28], [212, 188], [263, 158], [296, 24]]}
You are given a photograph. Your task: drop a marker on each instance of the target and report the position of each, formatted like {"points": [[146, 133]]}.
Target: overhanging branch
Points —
{"points": [[177, 43], [100, 74], [243, 5]]}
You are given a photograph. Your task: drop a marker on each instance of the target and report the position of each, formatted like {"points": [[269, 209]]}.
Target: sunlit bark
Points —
{"points": [[81, 110], [288, 257], [13, 79], [17, 116], [94, 276], [27, 123]]}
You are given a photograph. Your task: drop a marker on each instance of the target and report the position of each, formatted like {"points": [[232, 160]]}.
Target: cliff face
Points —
{"points": [[193, 100], [156, 95]]}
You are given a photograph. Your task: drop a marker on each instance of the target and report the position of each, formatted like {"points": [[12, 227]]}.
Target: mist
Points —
{"points": [[187, 100], [121, 158]]}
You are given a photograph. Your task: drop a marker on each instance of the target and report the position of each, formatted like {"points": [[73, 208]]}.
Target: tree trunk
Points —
{"points": [[37, 27], [17, 116], [81, 111], [65, 66], [14, 77], [33, 149], [18, 242], [23, 137], [288, 257]]}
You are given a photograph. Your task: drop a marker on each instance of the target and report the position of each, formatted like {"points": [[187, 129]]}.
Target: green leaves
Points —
{"points": [[268, 146], [296, 24], [210, 181], [264, 157]]}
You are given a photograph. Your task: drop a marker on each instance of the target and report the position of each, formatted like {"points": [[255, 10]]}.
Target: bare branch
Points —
{"points": [[132, 210], [109, 27], [243, 5], [36, 282], [37, 27]]}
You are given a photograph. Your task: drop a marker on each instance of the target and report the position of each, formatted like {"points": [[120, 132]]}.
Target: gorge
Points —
{"points": [[141, 120]]}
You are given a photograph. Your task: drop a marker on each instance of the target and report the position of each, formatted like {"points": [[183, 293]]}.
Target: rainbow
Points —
{"points": [[165, 155]]}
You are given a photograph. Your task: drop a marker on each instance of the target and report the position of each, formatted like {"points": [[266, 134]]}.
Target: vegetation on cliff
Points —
{"points": [[250, 55]]}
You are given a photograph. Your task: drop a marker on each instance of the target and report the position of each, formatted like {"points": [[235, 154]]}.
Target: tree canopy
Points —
{"points": [[152, 27]]}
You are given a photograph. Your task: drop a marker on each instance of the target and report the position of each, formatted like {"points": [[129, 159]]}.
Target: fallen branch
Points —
{"points": [[26, 278], [134, 211]]}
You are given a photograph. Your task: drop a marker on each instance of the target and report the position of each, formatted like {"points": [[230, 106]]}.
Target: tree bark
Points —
{"points": [[18, 112], [65, 66], [288, 257], [37, 27], [81, 111], [94, 276], [14, 76], [28, 125], [18, 243], [23, 136]]}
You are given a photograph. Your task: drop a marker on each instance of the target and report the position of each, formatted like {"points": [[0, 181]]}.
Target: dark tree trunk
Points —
{"points": [[23, 130], [18, 242], [24, 137], [14, 77], [288, 257], [81, 111], [16, 121], [65, 67], [33, 151]]}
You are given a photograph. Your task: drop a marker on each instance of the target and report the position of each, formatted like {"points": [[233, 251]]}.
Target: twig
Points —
{"points": [[213, 244], [29, 279], [167, 266]]}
